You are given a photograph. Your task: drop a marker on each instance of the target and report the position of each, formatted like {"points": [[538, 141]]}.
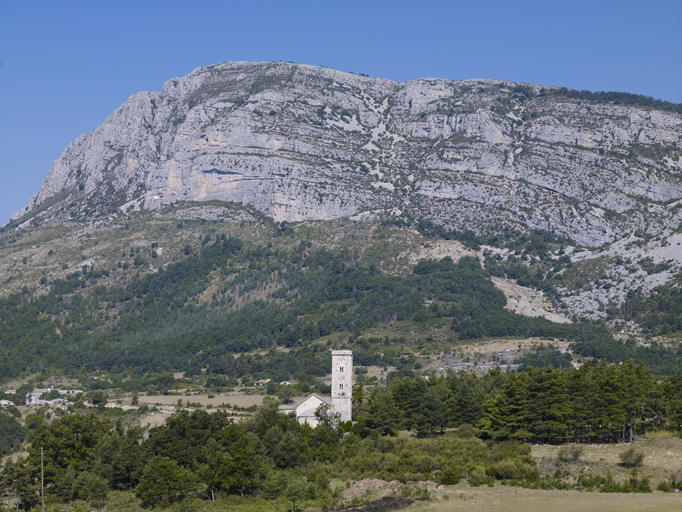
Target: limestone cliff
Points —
{"points": [[300, 142]]}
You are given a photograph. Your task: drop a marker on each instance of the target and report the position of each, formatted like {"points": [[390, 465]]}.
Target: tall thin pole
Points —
{"points": [[42, 479]]}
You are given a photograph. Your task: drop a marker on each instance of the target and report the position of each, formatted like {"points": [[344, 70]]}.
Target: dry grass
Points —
{"points": [[154, 419], [480, 499], [491, 347], [168, 403], [204, 400], [662, 450]]}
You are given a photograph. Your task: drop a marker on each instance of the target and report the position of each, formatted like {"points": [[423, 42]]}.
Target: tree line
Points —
{"points": [[599, 403]]}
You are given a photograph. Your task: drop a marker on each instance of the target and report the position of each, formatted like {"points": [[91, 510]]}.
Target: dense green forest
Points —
{"points": [[601, 403]]}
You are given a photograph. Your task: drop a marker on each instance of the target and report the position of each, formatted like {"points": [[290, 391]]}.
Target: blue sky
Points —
{"points": [[65, 66]]}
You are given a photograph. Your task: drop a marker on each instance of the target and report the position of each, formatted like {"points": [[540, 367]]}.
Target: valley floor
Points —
{"points": [[516, 499], [455, 498]]}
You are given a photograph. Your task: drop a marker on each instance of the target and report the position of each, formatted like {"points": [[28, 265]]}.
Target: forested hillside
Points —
{"points": [[310, 293], [223, 295]]}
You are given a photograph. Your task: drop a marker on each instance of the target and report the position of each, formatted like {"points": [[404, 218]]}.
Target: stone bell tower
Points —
{"points": [[342, 383]]}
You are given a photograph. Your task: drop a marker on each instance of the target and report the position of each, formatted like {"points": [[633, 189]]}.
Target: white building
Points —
{"points": [[34, 398], [305, 409], [342, 392]]}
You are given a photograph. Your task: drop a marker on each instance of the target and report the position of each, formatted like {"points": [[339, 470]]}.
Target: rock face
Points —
{"points": [[374, 488], [300, 142]]}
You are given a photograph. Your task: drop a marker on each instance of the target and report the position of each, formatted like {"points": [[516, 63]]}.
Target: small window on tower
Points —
{"points": [[340, 386], [340, 368]]}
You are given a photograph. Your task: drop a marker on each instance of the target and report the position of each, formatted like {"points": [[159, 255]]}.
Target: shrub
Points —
{"points": [[466, 431], [276, 483], [517, 468], [90, 487], [477, 476], [631, 457], [589, 481], [547, 466], [570, 453], [450, 476], [672, 483], [99, 398], [506, 469], [632, 484]]}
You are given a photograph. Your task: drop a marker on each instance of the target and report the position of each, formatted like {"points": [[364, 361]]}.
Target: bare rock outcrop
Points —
{"points": [[300, 142], [377, 488]]}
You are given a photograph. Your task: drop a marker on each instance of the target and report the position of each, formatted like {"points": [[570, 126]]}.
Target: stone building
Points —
{"points": [[342, 392], [305, 409], [342, 383]]}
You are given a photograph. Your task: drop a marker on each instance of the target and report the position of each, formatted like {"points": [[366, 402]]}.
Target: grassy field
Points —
{"points": [[515, 499], [482, 499], [500, 345], [662, 450], [204, 400], [663, 454]]}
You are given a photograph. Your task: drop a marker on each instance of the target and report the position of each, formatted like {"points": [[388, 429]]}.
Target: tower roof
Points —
{"points": [[342, 352]]}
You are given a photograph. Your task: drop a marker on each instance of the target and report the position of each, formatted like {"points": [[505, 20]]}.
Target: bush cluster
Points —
{"points": [[197, 455]]}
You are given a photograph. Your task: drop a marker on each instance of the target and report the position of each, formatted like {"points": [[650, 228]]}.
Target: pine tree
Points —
{"points": [[164, 481], [469, 407], [381, 413]]}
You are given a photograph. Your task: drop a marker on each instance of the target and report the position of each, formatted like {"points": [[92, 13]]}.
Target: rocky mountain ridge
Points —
{"points": [[299, 142], [401, 212]]}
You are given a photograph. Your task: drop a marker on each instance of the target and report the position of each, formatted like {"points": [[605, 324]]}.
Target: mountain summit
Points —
{"points": [[300, 142]]}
